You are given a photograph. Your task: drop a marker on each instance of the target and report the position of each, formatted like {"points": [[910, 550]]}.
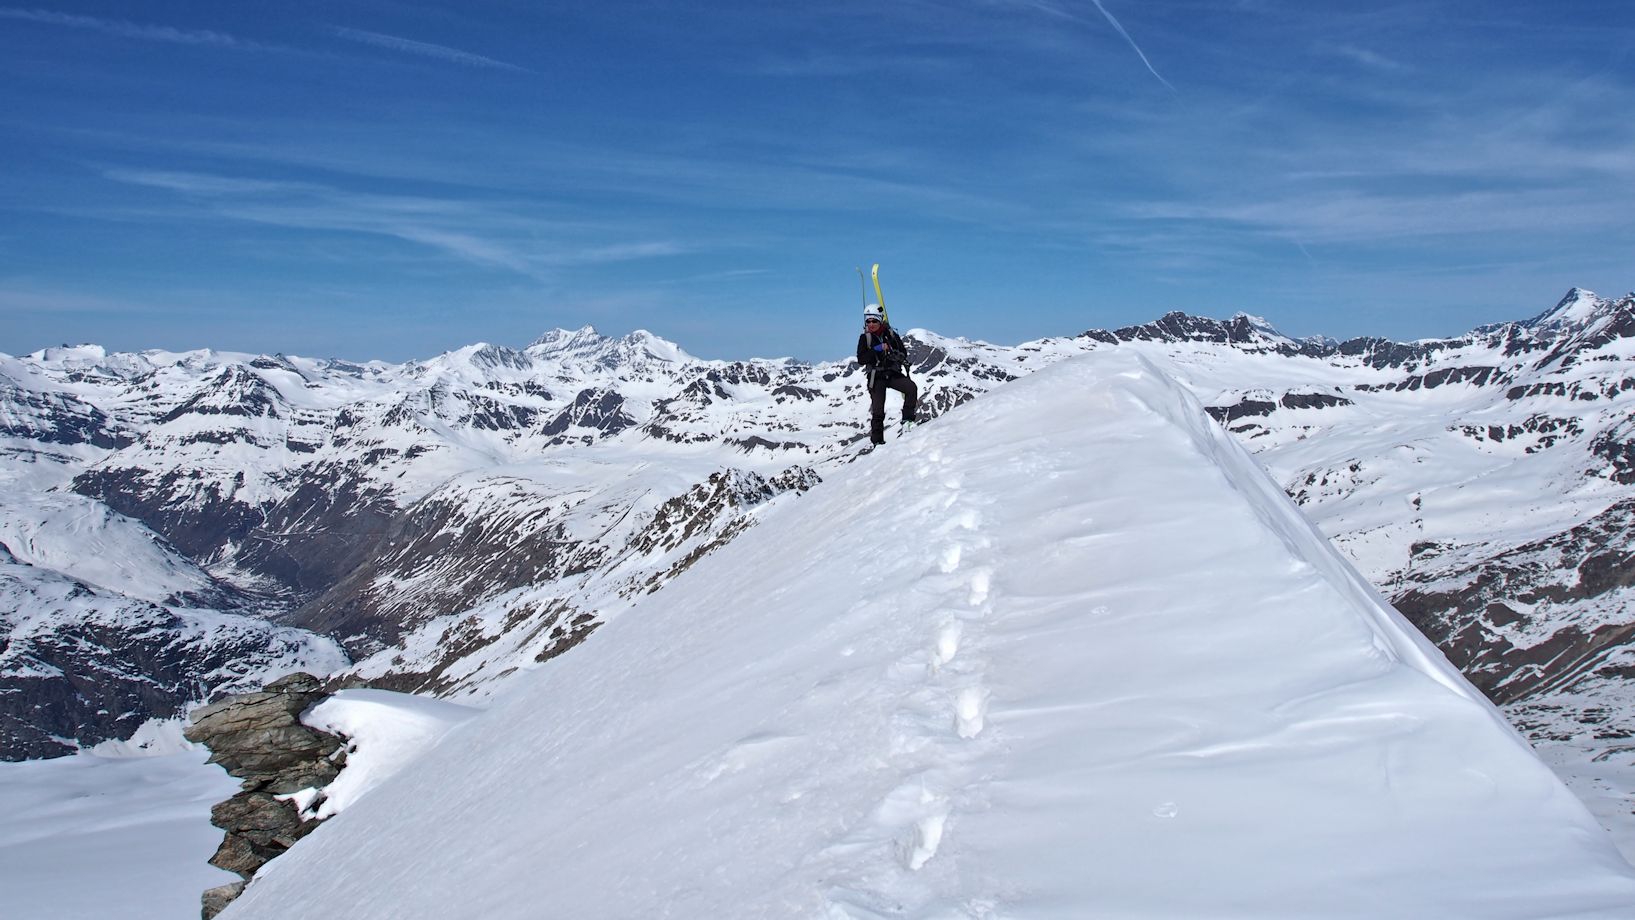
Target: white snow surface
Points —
{"points": [[386, 731], [1066, 653], [120, 831]]}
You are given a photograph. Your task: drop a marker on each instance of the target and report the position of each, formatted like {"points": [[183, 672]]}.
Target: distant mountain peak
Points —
{"points": [[1258, 323], [64, 354], [234, 390], [656, 346], [587, 346], [1575, 310], [87, 359], [1243, 329], [497, 356], [558, 340]]}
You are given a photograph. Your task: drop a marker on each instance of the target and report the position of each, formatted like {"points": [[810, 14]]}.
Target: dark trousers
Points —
{"points": [[879, 383]]}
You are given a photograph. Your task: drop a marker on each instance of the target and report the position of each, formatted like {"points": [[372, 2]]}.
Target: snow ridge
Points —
{"points": [[1038, 660]]}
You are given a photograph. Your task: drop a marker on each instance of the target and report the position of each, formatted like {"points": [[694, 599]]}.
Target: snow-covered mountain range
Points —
{"points": [[177, 523]]}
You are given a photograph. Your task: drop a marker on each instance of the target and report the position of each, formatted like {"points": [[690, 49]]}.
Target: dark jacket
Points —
{"points": [[893, 358]]}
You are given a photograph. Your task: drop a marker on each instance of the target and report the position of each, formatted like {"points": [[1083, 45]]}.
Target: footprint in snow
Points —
{"points": [[926, 815], [947, 644], [981, 584], [927, 838], [971, 712]]}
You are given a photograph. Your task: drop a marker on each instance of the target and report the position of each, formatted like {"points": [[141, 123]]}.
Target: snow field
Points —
{"points": [[1065, 653], [110, 832]]}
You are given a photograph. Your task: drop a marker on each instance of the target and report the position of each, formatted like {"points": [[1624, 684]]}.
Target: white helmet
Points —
{"points": [[872, 311]]}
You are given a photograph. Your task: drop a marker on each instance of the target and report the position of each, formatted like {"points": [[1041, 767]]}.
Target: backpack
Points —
{"points": [[892, 359]]}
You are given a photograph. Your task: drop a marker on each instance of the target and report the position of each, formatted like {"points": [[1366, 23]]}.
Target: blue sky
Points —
{"points": [[383, 179]]}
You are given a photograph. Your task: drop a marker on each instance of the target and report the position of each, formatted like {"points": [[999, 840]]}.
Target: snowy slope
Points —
{"points": [[83, 539], [1067, 653], [111, 832]]}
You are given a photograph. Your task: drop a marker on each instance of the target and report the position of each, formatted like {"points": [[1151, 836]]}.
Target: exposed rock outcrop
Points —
{"points": [[259, 738], [217, 899]]}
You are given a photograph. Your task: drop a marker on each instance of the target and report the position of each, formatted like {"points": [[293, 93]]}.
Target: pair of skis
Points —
{"points": [[879, 298]]}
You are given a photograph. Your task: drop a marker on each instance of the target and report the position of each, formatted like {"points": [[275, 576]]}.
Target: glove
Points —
{"points": [[880, 347]]}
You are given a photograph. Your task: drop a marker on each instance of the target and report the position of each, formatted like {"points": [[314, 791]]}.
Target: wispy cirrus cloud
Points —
{"points": [[816, 64], [126, 29], [425, 49], [1339, 216], [18, 297], [201, 184], [1373, 60], [471, 231]]}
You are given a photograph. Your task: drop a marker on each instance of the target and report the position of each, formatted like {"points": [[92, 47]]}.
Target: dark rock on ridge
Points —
{"points": [[259, 738], [216, 899]]}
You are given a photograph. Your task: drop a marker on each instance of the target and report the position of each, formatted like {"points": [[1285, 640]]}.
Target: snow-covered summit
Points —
{"points": [[1576, 309], [561, 340], [1244, 331], [496, 357], [473, 364], [68, 355], [1095, 665], [87, 360], [586, 347], [1259, 323]]}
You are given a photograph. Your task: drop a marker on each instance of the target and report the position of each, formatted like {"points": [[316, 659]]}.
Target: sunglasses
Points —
{"points": [[871, 322]]}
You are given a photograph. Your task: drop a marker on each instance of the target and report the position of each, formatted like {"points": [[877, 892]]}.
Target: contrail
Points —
{"points": [[1133, 45]]}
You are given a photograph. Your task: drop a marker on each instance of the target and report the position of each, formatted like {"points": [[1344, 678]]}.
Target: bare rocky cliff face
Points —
{"points": [[259, 738], [449, 521]]}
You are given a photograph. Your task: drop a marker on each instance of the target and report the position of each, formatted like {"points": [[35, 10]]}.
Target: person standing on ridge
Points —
{"points": [[881, 354]]}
